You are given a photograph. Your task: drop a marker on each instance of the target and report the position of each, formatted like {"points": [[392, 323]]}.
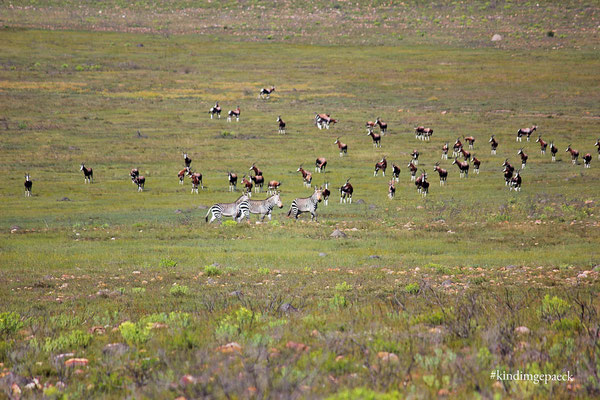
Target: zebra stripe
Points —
{"points": [[265, 207], [308, 204], [236, 210]]}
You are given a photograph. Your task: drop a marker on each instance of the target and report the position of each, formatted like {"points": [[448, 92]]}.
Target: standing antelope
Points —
{"points": [[264, 208], [587, 159], [598, 145], [524, 158], [323, 120], [445, 151], [470, 140], [88, 174], [466, 154], [415, 157], [134, 173], [553, 151], [236, 210], [306, 176], [422, 184], [259, 181], [382, 125], [28, 184], [376, 139], [326, 193], [320, 164], [515, 182], [308, 204], [463, 167], [216, 109], [476, 163], [442, 172], [346, 192], [456, 148], [247, 186], [187, 160], [543, 144], [196, 180], [370, 125], [413, 170], [381, 165], [281, 125], [508, 172], [395, 172], [273, 187], [574, 154], [525, 131], [140, 181], [266, 93], [181, 174], [342, 146], [232, 178], [234, 113], [494, 144], [391, 189], [423, 133], [255, 169]]}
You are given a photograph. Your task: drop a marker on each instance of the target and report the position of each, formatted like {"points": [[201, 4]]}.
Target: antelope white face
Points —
{"points": [[81, 168], [27, 177]]}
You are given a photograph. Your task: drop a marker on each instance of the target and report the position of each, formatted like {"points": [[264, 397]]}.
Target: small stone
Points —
{"points": [[338, 234], [359, 201], [523, 330], [287, 308], [178, 211], [187, 380], [447, 283], [64, 199], [299, 347], [76, 362], [496, 38], [372, 206], [229, 348], [115, 349], [374, 257], [322, 254], [236, 293]]}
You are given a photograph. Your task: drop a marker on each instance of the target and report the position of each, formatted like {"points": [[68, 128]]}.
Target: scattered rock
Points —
{"points": [[187, 380], [229, 348], [236, 293], [178, 211], [388, 357], [447, 283], [115, 349], [76, 362], [210, 281], [372, 206], [299, 347], [15, 228], [523, 330], [443, 392], [60, 357], [359, 201], [140, 45], [374, 256], [64, 199], [496, 38], [287, 308], [98, 330], [322, 254], [338, 234]]}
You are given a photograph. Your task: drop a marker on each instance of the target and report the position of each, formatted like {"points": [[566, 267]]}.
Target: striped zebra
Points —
{"points": [[307, 204], [237, 210], [264, 208]]}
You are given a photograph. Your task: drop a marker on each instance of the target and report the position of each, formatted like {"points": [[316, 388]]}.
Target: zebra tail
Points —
{"points": [[209, 210]]}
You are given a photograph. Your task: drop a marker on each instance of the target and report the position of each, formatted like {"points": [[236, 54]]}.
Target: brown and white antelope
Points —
{"points": [[265, 93], [508, 172], [326, 193], [234, 113], [466, 154], [376, 138], [181, 174], [587, 159], [423, 133], [346, 192], [28, 184], [553, 151], [342, 146], [216, 109], [476, 163], [457, 148], [445, 151], [415, 157], [413, 170], [259, 181], [422, 184], [598, 145], [574, 154], [382, 125], [134, 173], [232, 178], [88, 174], [395, 172], [281, 125], [463, 167], [494, 145], [542, 143], [515, 182], [187, 160], [525, 131], [370, 125], [247, 185], [255, 169], [391, 189], [320, 164], [306, 176], [381, 165], [471, 141], [196, 178], [442, 173], [324, 120], [140, 181], [273, 187]]}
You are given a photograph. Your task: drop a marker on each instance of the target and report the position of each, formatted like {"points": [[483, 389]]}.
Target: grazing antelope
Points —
{"points": [[553, 151], [515, 182], [376, 139], [134, 173], [196, 180], [346, 192], [370, 125], [442, 173], [264, 208], [466, 154], [308, 204], [524, 157], [391, 189], [415, 157], [232, 178], [587, 159], [259, 181], [456, 148], [281, 125], [28, 185], [476, 163], [181, 174], [320, 164], [140, 181], [216, 109], [326, 193], [598, 145], [413, 170], [543, 144], [342, 146], [445, 151], [395, 172], [463, 167], [187, 160], [323, 120], [266, 93], [88, 174], [381, 165], [247, 186], [525, 131], [273, 187], [255, 169], [494, 144], [236, 210], [574, 154], [423, 133], [382, 125], [306, 176], [234, 113], [471, 141]]}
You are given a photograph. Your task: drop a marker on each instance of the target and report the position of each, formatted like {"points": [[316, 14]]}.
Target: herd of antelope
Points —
{"points": [[255, 181]]}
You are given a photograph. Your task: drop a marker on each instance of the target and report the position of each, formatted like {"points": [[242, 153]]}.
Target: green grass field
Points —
{"points": [[424, 296]]}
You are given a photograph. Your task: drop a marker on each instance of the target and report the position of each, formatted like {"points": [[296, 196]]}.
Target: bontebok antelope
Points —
{"points": [[598, 145], [247, 186], [423, 133], [259, 181], [273, 187], [382, 125], [140, 181], [515, 182], [422, 184], [181, 175], [308, 204], [187, 160], [381, 165], [395, 172], [134, 173], [524, 158], [508, 172], [320, 164], [543, 144], [324, 120], [28, 185], [445, 151], [376, 138], [236, 210], [343, 147], [525, 131], [391, 189], [232, 178], [88, 174], [466, 154], [255, 169], [463, 167], [281, 125], [266, 93], [346, 192], [493, 144], [442, 173], [413, 170], [574, 154], [456, 148], [415, 157], [476, 163], [553, 151], [264, 208], [471, 141], [587, 159], [234, 113], [216, 109], [326, 194], [306, 176], [196, 181], [370, 125]]}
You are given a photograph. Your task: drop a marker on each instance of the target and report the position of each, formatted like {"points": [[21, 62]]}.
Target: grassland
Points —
{"points": [[423, 297]]}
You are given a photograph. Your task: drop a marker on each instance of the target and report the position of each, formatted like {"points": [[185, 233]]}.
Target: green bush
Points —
{"points": [[553, 308], [343, 287], [138, 290], [179, 290], [72, 341], [229, 222], [412, 288], [134, 334], [264, 271], [10, 322], [211, 270], [167, 263], [338, 301]]}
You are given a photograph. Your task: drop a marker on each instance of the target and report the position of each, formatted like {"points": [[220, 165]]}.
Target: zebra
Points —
{"points": [[237, 210], [307, 204], [264, 207]]}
